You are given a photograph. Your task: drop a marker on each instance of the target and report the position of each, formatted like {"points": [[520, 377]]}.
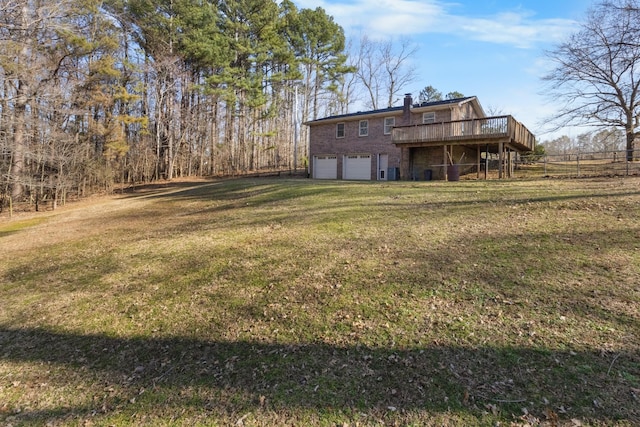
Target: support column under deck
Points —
{"points": [[500, 160], [445, 157], [511, 163], [405, 163]]}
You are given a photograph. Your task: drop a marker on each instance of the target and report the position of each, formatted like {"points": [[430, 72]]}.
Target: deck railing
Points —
{"points": [[489, 128]]}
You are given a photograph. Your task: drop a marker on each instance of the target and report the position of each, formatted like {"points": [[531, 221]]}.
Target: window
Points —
{"points": [[428, 117], [364, 128], [340, 130], [389, 123]]}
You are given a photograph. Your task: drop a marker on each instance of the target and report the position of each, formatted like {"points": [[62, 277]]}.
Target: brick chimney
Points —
{"points": [[406, 111]]}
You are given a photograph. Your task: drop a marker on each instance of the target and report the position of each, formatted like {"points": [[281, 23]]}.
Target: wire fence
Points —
{"points": [[567, 165], [576, 165]]}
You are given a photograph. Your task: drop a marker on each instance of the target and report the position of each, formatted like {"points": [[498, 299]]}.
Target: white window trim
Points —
{"points": [[387, 131], [360, 128], [344, 130], [429, 117]]}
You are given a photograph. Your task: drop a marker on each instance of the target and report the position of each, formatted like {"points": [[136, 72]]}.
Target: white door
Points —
{"points": [[382, 167], [325, 167], [357, 167]]}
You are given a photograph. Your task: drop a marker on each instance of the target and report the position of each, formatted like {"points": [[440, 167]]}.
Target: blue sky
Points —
{"points": [[491, 49]]}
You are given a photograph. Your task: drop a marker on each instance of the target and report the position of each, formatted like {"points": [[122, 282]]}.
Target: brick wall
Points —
{"points": [[324, 141]]}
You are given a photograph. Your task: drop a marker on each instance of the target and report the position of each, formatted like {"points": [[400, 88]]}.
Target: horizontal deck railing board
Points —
{"points": [[488, 128]]}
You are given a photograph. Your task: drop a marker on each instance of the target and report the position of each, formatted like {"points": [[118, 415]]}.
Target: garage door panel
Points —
{"points": [[357, 167], [325, 167]]}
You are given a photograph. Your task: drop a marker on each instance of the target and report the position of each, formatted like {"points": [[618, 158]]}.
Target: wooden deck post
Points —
{"points": [[500, 159], [445, 161], [512, 163], [486, 162], [405, 166], [478, 160]]}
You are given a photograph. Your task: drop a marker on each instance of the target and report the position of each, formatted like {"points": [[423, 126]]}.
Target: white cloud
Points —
{"points": [[517, 29], [504, 67], [381, 18], [390, 18]]}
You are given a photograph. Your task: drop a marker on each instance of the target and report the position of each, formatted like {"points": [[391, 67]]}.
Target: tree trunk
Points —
{"points": [[631, 138], [17, 158], [20, 114]]}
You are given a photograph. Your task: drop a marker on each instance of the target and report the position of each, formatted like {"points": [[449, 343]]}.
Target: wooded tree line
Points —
{"points": [[601, 141], [596, 74], [97, 92]]}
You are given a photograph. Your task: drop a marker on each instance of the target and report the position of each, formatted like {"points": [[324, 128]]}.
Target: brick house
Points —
{"points": [[437, 140]]}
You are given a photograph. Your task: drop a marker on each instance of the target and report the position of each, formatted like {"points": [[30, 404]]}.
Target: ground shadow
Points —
{"points": [[319, 377], [222, 379], [235, 193]]}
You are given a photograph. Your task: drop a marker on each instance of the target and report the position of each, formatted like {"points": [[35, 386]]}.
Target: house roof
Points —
{"points": [[423, 107]]}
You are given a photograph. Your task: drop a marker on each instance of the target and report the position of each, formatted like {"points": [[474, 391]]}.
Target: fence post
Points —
{"points": [[578, 165], [545, 165], [627, 164]]}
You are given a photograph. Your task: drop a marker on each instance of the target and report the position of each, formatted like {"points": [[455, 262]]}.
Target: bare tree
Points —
{"points": [[17, 35], [493, 110], [583, 142], [608, 140], [34, 49], [399, 71], [384, 69], [597, 71], [368, 71], [349, 89], [559, 146]]}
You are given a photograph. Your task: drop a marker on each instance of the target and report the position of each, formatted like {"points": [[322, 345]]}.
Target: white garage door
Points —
{"points": [[325, 167], [357, 166]]}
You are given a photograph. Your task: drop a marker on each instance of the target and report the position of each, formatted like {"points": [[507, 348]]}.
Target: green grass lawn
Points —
{"points": [[262, 302]]}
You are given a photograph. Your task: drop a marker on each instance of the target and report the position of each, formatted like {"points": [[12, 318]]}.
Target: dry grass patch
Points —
{"points": [[294, 302]]}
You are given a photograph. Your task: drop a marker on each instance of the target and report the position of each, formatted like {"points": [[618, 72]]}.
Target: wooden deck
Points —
{"points": [[490, 130]]}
